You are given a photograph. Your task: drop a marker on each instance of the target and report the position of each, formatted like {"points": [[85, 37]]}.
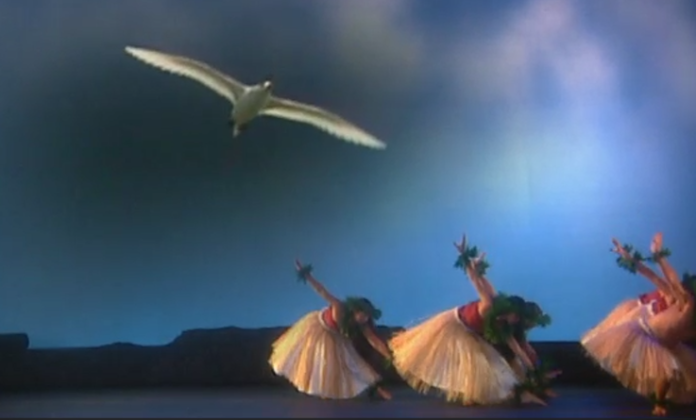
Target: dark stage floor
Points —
{"points": [[260, 403]]}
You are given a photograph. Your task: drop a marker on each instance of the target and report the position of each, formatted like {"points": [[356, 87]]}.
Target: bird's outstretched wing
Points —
{"points": [[196, 70], [322, 119]]}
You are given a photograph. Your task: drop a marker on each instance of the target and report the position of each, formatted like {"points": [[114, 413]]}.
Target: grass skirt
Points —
{"points": [[631, 353], [626, 311], [321, 362], [444, 354]]}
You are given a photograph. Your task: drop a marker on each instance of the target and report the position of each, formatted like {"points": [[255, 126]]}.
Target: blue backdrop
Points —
{"points": [[541, 128]]}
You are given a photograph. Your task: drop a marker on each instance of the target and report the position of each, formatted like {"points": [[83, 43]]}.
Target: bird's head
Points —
{"points": [[267, 83]]}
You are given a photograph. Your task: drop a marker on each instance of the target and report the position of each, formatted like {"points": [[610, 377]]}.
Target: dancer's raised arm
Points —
{"points": [[483, 279], [483, 287], [471, 269], [454, 351], [659, 256], [317, 354], [306, 273], [661, 284]]}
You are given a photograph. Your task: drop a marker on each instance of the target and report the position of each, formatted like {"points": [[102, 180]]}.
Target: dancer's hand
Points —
{"points": [[304, 272], [619, 249], [474, 262], [550, 393], [656, 244], [461, 246]]}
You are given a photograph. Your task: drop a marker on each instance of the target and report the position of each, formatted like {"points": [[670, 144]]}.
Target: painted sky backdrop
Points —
{"points": [[541, 128]]}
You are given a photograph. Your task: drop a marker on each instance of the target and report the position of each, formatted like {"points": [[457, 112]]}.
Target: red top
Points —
{"points": [[658, 305], [328, 318], [649, 297], [656, 301], [470, 316]]}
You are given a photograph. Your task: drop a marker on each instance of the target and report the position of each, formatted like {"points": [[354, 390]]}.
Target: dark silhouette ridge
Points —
{"points": [[207, 357]]}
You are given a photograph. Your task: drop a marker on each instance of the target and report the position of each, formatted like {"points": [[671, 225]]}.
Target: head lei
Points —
{"points": [[352, 305], [535, 316], [498, 331], [469, 254], [536, 381]]}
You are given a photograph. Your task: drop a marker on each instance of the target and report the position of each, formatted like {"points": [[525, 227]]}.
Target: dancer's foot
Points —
{"points": [[551, 393], [386, 395], [659, 410], [529, 398]]}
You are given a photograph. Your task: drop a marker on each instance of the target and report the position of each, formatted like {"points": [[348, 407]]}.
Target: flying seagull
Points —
{"points": [[248, 102]]}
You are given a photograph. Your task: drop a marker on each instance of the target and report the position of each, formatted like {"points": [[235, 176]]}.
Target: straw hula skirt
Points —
{"points": [[631, 353], [318, 360], [627, 310], [447, 353]]}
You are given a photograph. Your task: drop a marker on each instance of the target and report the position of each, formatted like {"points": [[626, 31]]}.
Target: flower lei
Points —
{"points": [[537, 381], [469, 254], [537, 319], [498, 331], [495, 330], [662, 402], [631, 263], [304, 272]]}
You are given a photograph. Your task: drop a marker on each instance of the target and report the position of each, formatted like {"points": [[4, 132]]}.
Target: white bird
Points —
{"points": [[248, 102]]}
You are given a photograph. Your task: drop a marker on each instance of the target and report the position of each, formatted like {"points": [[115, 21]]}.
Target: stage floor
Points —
{"points": [[280, 403]]}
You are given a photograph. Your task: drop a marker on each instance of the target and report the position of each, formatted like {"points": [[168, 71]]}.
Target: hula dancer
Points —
{"points": [[634, 308], [536, 381], [647, 354], [317, 355], [452, 351]]}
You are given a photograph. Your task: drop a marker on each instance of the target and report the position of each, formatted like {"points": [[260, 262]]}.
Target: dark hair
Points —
{"points": [[496, 330], [517, 301], [535, 316], [352, 305], [522, 308], [517, 305], [531, 315], [532, 310]]}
